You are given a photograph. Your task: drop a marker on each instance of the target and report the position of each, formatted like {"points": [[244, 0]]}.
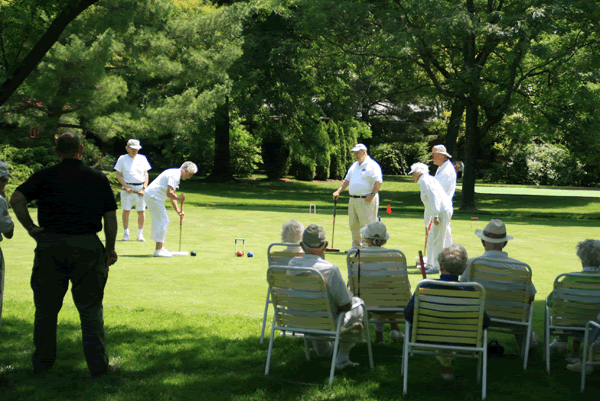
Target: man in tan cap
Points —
{"points": [[364, 179], [341, 299], [494, 239], [132, 173], [446, 175], [6, 224]]}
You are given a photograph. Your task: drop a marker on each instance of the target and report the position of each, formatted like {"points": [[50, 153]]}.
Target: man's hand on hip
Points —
{"points": [[35, 232], [369, 198]]}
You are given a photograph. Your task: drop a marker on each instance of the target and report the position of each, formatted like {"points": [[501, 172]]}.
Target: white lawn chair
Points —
{"points": [[574, 304], [301, 305], [591, 350], [382, 283], [281, 257], [448, 322], [507, 297]]}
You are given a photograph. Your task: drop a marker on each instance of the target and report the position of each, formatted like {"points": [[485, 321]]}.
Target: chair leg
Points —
{"points": [[370, 351], [404, 370], [584, 358], [264, 322], [484, 372], [306, 351], [526, 347], [336, 347], [270, 347]]}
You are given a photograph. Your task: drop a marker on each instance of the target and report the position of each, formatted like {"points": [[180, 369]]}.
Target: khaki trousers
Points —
{"points": [[361, 213]]}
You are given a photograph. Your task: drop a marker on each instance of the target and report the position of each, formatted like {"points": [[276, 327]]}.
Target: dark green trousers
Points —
{"points": [[60, 258]]}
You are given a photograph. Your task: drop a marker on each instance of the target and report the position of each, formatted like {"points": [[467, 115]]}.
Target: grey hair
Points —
{"points": [[589, 252], [291, 232], [453, 259], [376, 241], [190, 166], [419, 168]]}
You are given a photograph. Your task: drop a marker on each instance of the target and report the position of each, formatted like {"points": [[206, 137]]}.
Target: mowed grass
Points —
{"points": [[187, 328]]}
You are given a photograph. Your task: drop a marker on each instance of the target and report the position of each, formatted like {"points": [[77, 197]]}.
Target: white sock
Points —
{"points": [[126, 231], [140, 231]]}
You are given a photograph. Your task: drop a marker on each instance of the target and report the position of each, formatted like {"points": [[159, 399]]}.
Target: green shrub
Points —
{"points": [[245, 151], [544, 164], [276, 153], [396, 158]]}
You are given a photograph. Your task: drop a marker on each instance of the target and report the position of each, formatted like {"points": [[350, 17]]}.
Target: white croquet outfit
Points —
{"points": [[155, 197], [338, 295], [133, 171], [361, 179], [446, 176], [437, 204]]}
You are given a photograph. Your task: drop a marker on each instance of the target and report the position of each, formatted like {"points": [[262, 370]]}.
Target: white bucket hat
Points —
{"points": [[494, 232], [441, 149], [134, 144], [358, 147], [374, 229]]}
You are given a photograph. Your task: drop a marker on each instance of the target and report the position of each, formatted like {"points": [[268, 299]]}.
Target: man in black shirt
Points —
{"points": [[72, 201]]}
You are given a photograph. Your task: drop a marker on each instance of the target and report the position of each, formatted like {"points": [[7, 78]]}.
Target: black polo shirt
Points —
{"points": [[72, 197]]}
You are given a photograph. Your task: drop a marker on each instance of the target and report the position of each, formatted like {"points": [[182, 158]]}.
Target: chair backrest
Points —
{"points": [[507, 286], [576, 299], [279, 254], [384, 280], [300, 298], [449, 313]]}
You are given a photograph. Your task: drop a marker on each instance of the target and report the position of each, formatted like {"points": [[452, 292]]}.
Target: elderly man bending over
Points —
{"points": [[158, 191], [340, 298]]}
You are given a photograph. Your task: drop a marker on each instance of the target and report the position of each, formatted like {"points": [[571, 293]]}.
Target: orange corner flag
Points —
{"points": [[389, 209]]}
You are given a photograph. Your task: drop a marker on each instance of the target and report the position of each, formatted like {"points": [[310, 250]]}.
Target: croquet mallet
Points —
{"points": [[422, 264], [180, 252], [333, 229]]}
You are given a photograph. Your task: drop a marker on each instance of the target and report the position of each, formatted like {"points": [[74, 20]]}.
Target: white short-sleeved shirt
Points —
{"points": [[6, 223], [433, 197], [446, 175], [168, 178], [362, 177], [133, 170], [337, 291]]}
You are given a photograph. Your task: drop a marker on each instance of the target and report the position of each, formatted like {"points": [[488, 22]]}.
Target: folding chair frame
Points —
{"points": [[412, 346], [272, 262], [589, 351], [336, 323], [550, 325]]}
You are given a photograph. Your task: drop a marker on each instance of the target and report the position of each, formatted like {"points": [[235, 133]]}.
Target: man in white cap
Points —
{"points": [[6, 224], [364, 178], [437, 214], [132, 173], [161, 189], [446, 175], [494, 239], [341, 299]]}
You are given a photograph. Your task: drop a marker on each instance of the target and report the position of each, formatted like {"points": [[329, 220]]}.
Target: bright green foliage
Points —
{"points": [[245, 151], [396, 158]]}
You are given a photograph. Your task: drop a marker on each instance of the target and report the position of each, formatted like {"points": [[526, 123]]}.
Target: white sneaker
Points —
{"points": [[125, 237], [396, 335], [558, 346], [162, 252], [346, 364], [431, 270], [576, 367], [140, 237]]}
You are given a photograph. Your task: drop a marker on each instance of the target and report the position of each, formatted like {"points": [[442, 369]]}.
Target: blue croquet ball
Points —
{"points": [[250, 254]]}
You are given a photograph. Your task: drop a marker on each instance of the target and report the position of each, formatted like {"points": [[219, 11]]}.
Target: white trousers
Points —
{"points": [[160, 218], [324, 348], [440, 237], [360, 214]]}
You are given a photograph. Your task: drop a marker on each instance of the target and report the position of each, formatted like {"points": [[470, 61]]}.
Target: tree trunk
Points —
{"points": [[472, 145], [22, 70], [456, 115], [221, 171]]}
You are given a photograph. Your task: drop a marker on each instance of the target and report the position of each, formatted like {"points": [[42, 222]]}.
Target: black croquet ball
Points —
{"points": [[193, 253]]}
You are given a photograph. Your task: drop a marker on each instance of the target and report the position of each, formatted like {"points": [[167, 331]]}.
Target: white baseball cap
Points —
{"points": [[358, 147], [134, 144]]}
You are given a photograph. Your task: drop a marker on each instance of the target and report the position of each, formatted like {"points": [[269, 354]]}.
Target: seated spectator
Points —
{"points": [[588, 252], [291, 233], [341, 299], [494, 239], [453, 261], [375, 235]]}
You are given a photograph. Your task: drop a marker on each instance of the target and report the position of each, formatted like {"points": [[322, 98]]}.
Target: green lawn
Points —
{"points": [[187, 328]]}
